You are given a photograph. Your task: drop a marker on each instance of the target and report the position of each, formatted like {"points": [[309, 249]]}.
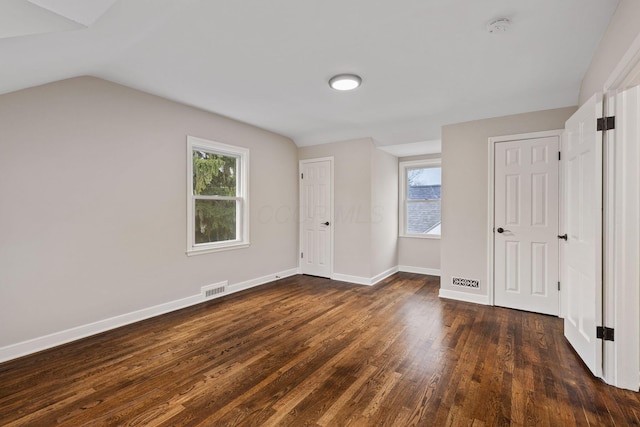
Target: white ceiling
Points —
{"points": [[424, 63]]}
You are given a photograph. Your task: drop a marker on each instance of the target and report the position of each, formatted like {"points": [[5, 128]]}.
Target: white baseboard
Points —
{"points": [[367, 281], [464, 296], [237, 287], [380, 277], [419, 270], [358, 280], [13, 351]]}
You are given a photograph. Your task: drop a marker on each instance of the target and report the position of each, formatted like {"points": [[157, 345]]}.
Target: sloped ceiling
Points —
{"points": [[424, 63]]}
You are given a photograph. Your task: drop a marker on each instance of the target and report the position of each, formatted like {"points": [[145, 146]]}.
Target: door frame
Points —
{"points": [[331, 209], [621, 281], [490, 213]]}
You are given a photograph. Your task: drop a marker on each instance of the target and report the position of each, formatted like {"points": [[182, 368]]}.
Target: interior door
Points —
{"points": [[582, 269], [316, 214], [526, 224]]}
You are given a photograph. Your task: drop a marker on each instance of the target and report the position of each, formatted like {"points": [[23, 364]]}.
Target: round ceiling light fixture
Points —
{"points": [[345, 82], [500, 25]]}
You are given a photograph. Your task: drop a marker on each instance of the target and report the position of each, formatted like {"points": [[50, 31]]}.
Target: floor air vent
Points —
{"points": [[467, 283], [213, 290]]}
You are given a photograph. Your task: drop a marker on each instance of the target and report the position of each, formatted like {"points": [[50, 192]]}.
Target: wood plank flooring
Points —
{"points": [[306, 351]]}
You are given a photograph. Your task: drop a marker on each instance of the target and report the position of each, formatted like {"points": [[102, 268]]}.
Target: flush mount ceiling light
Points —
{"points": [[345, 82], [499, 25]]}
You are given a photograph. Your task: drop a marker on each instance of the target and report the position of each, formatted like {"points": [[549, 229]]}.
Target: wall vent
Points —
{"points": [[211, 291], [467, 283]]}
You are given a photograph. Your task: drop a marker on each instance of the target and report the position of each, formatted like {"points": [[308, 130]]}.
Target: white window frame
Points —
{"points": [[242, 196], [403, 167]]}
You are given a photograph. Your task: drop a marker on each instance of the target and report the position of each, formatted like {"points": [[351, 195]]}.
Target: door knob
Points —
{"points": [[501, 230], [564, 237], [325, 223]]}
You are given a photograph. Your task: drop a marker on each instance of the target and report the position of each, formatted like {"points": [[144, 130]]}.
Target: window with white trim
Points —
{"points": [[420, 201], [217, 196]]}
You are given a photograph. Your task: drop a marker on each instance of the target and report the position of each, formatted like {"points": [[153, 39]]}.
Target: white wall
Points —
{"points": [[623, 29], [93, 216], [415, 253], [384, 211], [352, 200], [366, 201], [466, 193]]}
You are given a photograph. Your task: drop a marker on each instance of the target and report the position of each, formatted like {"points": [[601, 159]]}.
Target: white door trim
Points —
{"points": [[621, 280], [332, 210], [491, 179], [627, 72]]}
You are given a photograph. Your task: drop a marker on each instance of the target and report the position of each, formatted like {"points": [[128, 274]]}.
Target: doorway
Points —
{"points": [[316, 217], [525, 221]]}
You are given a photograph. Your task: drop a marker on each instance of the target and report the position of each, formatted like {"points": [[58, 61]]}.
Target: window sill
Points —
{"points": [[220, 248], [421, 236]]}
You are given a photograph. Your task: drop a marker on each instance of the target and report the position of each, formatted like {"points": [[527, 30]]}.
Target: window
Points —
{"points": [[420, 183], [217, 201]]}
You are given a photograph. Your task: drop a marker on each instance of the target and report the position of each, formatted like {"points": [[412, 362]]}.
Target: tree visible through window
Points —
{"points": [[214, 175], [218, 195]]}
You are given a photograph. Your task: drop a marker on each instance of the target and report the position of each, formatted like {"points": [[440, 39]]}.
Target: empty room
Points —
{"points": [[337, 213]]}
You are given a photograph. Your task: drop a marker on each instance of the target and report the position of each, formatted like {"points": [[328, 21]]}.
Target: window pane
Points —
{"points": [[423, 217], [214, 174], [215, 220], [423, 183]]}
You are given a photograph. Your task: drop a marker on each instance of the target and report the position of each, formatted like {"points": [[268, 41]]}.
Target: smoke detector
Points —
{"points": [[499, 25]]}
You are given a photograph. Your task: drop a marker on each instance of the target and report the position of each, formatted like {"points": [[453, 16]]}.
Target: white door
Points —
{"points": [[316, 216], [526, 224], [582, 269], [621, 292]]}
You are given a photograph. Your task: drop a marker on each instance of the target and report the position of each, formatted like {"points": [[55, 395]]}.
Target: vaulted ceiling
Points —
{"points": [[424, 63]]}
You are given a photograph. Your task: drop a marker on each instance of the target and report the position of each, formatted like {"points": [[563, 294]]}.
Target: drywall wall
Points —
{"points": [[352, 203], [384, 211], [416, 254], [93, 218], [623, 29], [365, 199], [466, 193]]}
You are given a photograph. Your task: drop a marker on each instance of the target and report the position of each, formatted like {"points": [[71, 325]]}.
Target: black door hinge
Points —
{"points": [[606, 123], [301, 254], [558, 285], [604, 333], [301, 176], [559, 155]]}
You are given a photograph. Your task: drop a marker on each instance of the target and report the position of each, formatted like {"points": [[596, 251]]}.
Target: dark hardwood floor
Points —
{"points": [[306, 351]]}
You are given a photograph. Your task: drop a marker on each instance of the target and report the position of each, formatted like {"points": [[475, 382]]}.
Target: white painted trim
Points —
{"points": [[248, 284], [490, 210], [421, 236], [402, 194], [608, 237], [562, 303], [622, 281], [332, 209], [626, 72], [620, 287], [464, 296], [34, 345], [242, 217], [419, 270], [358, 280], [380, 277], [366, 281]]}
